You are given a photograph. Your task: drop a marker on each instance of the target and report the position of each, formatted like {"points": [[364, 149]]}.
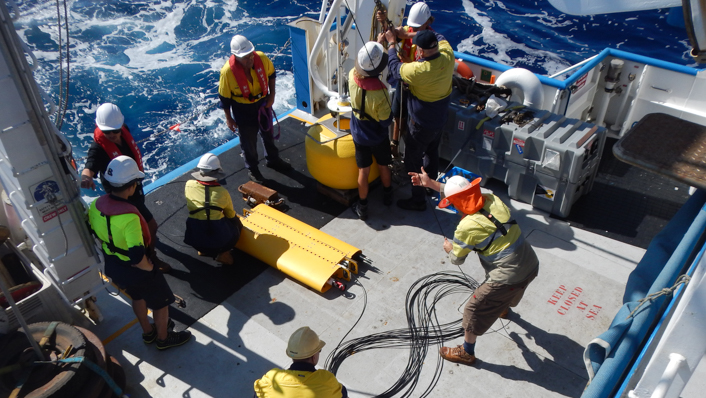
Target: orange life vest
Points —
{"points": [[242, 80]]}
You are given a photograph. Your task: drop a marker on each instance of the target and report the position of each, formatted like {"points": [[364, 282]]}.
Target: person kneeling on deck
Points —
{"points": [[125, 235], [370, 122], [302, 379], [212, 228], [509, 262]]}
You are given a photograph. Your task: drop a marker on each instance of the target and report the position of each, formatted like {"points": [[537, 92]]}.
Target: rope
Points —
{"points": [[667, 291]]}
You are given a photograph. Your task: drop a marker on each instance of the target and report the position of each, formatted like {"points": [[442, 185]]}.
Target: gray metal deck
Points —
{"points": [[536, 353]]}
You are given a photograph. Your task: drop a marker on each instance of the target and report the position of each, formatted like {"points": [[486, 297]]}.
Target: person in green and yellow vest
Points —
{"points": [[124, 236]]}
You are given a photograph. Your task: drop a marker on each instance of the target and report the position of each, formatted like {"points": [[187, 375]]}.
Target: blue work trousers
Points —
{"points": [[246, 117], [421, 149]]}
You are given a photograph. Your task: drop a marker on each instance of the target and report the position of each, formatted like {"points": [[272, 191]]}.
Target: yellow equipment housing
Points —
{"points": [[295, 248], [332, 162]]}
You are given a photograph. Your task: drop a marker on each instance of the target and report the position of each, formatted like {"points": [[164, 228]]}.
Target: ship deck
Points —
{"points": [[241, 316]]}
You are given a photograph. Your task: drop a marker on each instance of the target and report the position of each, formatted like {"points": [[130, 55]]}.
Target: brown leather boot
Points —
{"points": [[457, 354], [225, 258], [505, 314]]}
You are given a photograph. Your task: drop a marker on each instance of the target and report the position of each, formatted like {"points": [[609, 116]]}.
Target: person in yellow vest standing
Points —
{"points": [[370, 122], [419, 19], [247, 91], [302, 379], [509, 261], [429, 80], [112, 138], [212, 228], [124, 236]]}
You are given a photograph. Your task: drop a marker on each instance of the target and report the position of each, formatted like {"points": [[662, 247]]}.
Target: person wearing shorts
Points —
{"points": [[370, 122], [112, 138], [124, 236], [509, 262]]}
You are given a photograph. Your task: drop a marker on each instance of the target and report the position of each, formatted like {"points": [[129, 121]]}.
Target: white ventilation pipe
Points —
{"points": [[524, 84]]}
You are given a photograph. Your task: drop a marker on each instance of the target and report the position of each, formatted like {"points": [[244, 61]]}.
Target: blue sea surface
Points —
{"points": [[159, 60]]}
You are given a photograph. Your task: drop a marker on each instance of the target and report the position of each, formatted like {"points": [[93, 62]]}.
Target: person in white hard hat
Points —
{"points": [[429, 80], [212, 228], [304, 348], [125, 236], [369, 125], [112, 138], [419, 19], [247, 91], [510, 263]]}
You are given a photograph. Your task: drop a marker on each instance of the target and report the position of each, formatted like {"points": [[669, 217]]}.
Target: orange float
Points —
{"points": [[463, 70]]}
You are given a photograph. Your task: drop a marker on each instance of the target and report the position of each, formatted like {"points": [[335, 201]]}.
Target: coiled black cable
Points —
{"points": [[423, 330]]}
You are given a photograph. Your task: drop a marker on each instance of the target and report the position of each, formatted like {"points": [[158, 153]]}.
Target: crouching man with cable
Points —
{"points": [[302, 379], [509, 262], [124, 236]]}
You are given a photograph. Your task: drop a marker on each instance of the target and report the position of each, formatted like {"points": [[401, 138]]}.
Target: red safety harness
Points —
{"points": [[112, 150], [242, 80]]}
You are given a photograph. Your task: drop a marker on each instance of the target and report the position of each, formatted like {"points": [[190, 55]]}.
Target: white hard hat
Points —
{"points": [[240, 46], [371, 60], [209, 168], [122, 170], [304, 343], [419, 14], [109, 117], [455, 185]]}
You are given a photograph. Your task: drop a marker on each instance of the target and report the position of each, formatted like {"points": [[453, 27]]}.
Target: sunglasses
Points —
{"points": [[112, 131]]}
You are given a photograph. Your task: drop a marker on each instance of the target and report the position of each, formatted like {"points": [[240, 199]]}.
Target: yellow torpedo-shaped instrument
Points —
{"points": [[295, 248]]}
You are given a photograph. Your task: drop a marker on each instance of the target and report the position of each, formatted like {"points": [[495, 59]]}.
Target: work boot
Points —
{"points": [[457, 354], [505, 314], [410, 204], [256, 176], [174, 339], [360, 210], [225, 258], [150, 337], [279, 165]]}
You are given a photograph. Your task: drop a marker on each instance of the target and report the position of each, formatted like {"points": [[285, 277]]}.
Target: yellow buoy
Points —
{"points": [[333, 163]]}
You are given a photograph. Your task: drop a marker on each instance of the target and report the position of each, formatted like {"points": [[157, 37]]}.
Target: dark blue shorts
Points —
{"points": [[364, 154], [138, 284]]}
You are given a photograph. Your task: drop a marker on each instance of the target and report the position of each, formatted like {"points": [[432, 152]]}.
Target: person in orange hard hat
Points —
{"points": [[302, 379], [510, 263]]}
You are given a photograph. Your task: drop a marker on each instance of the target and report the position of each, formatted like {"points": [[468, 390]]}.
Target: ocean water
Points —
{"points": [[159, 60]]}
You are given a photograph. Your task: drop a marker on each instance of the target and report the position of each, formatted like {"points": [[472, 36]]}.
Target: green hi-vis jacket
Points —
{"points": [[125, 228]]}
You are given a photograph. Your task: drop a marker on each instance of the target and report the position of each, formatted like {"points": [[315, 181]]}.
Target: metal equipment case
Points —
{"points": [[545, 159]]}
